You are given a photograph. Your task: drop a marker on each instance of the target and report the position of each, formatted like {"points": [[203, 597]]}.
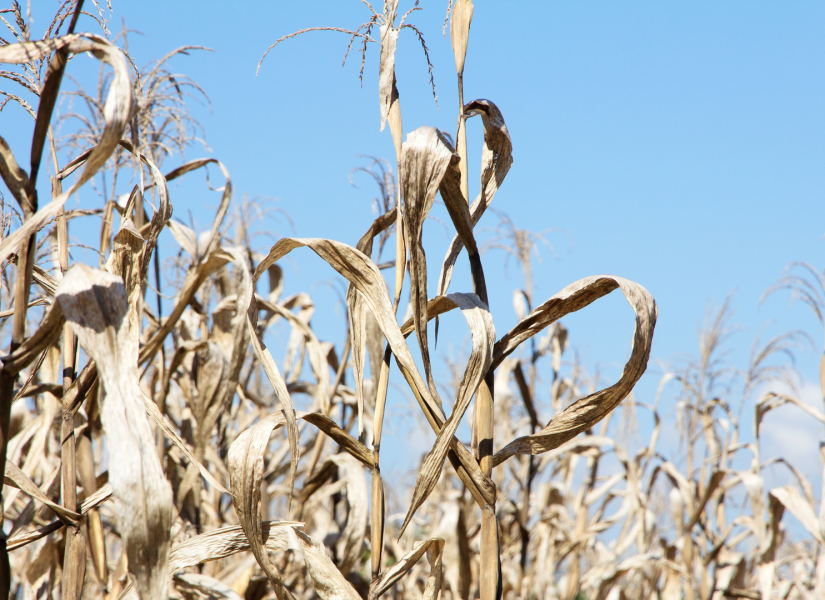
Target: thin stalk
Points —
{"points": [[490, 568], [25, 266], [531, 466], [161, 398], [461, 139], [74, 557], [377, 523]]}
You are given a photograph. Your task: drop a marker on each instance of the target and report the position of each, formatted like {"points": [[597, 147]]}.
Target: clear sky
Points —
{"points": [[678, 144]]}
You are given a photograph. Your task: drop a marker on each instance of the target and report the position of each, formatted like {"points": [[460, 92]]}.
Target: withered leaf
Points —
{"points": [[483, 335], [117, 112], [434, 548], [585, 412], [95, 304]]}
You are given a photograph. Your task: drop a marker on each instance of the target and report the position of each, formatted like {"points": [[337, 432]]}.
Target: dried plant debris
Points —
{"points": [[152, 433]]}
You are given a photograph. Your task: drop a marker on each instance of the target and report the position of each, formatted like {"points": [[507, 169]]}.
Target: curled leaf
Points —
{"points": [[496, 160], [246, 472], [588, 411], [359, 270], [246, 469], [117, 112]]}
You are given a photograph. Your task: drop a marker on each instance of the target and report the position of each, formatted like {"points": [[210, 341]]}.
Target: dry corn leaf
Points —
{"points": [[755, 488], [317, 357], [350, 545], [44, 280], [246, 470], [456, 556], [279, 387], [227, 541], [496, 160], [213, 240], [93, 501], [460, 21], [365, 276], [238, 330], [195, 277], [185, 237], [95, 305], [357, 312], [117, 112], [221, 543], [773, 400], [162, 213], [329, 583], [177, 360], [17, 478], [47, 334], [367, 279], [585, 412], [483, 334], [341, 437], [387, 92], [433, 548], [198, 584], [796, 504], [13, 175], [168, 430], [377, 523], [125, 262], [767, 551], [426, 156]]}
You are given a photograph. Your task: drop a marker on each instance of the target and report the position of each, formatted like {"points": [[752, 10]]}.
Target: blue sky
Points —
{"points": [[679, 145]]}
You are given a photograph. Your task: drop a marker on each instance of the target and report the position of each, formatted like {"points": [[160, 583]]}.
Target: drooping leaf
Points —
{"points": [[367, 279], [483, 335], [95, 304], [357, 312], [246, 471], [496, 160], [588, 411], [426, 157], [117, 112]]}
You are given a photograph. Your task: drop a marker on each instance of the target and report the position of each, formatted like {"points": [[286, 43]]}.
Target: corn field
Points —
{"points": [[152, 444]]}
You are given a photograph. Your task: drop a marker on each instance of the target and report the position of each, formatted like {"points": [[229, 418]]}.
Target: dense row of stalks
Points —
{"points": [[137, 429]]}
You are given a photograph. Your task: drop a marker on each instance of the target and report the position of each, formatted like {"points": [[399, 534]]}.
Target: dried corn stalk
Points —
{"points": [[550, 500]]}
